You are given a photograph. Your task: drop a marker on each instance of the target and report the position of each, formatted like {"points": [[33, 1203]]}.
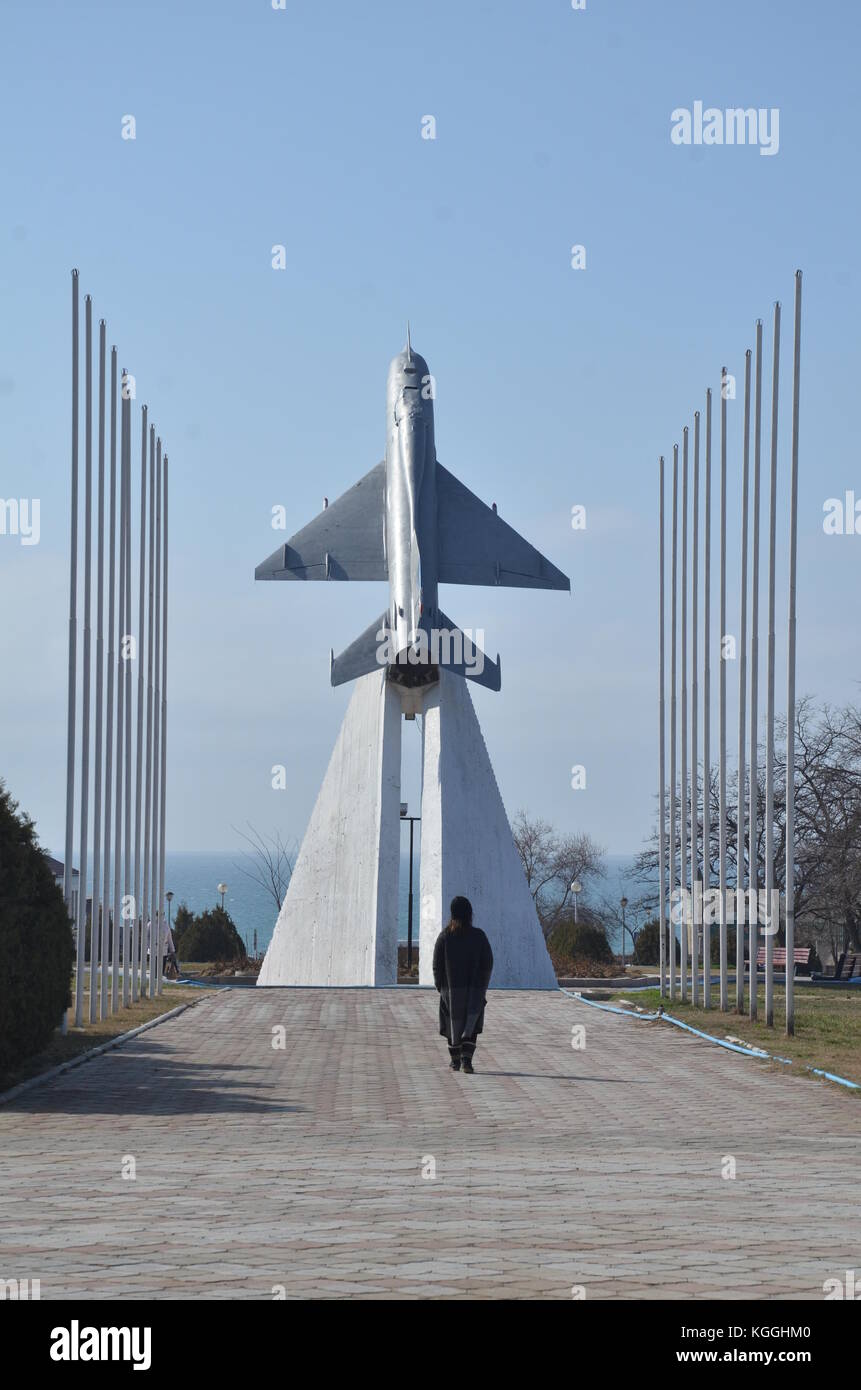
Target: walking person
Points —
{"points": [[169, 957], [462, 966]]}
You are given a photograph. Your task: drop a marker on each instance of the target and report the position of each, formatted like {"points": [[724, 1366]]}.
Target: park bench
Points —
{"points": [[847, 966], [801, 958]]}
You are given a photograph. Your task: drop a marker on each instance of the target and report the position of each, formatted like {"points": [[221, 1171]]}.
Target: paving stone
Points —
{"points": [[303, 1166]]}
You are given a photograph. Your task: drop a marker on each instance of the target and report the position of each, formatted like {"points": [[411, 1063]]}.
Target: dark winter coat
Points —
{"points": [[462, 966]]}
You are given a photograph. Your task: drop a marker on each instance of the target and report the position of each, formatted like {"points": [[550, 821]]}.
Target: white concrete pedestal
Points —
{"points": [[338, 924], [467, 846], [339, 921]]}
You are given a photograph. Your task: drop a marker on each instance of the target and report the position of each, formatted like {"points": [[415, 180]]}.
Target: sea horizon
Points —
{"points": [[193, 877]]}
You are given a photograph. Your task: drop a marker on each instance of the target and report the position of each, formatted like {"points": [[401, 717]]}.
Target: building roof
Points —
{"points": [[58, 868]]}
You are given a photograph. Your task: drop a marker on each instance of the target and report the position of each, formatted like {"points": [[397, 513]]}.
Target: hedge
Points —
{"points": [[36, 945]]}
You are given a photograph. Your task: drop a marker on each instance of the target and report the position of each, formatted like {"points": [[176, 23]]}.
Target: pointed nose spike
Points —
{"points": [[409, 344]]}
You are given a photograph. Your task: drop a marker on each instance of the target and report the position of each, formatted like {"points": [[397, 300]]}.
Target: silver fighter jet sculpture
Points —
{"points": [[411, 522]]}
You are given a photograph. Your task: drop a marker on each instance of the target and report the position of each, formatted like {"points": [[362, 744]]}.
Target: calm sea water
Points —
{"points": [[193, 877]]}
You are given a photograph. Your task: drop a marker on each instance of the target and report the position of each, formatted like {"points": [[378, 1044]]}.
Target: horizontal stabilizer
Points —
{"points": [[362, 656], [463, 657], [346, 541], [477, 547], [446, 645]]}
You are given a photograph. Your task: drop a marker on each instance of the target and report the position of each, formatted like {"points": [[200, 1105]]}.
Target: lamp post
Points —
{"points": [[624, 904], [169, 898], [222, 889], [412, 820], [576, 889]]}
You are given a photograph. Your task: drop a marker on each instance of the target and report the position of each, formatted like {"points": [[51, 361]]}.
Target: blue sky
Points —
{"points": [[554, 387]]}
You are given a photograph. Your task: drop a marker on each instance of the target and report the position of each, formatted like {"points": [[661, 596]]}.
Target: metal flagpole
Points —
{"points": [[740, 914], [85, 704], [121, 609], [707, 563], [672, 932], [109, 733], [695, 558], [68, 880], [724, 999], [146, 930], [164, 705], [155, 942], [662, 855], [790, 674], [769, 715], [683, 806], [127, 726], [753, 774], [140, 925], [96, 935]]}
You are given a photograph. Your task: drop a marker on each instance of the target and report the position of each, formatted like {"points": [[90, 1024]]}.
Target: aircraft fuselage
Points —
{"points": [[411, 502]]}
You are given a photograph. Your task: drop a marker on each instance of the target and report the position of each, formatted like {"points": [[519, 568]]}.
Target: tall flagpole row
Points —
{"points": [[682, 898], [116, 786]]}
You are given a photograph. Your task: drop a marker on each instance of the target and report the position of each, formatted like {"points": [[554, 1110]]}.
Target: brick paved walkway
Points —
{"points": [[303, 1167]]}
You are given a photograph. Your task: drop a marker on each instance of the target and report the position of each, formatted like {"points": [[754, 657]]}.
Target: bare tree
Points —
{"points": [[827, 825], [638, 911], [552, 862], [268, 862]]}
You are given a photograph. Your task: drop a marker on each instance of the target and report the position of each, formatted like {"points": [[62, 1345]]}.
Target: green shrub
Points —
{"points": [[582, 939], [36, 946], [181, 923], [211, 936], [647, 944]]}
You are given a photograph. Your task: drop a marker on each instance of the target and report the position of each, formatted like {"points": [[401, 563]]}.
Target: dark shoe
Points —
{"points": [[468, 1067], [455, 1064]]}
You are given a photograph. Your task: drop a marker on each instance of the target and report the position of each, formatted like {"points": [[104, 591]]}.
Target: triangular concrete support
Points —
{"points": [[338, 924], [467, 846]]}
